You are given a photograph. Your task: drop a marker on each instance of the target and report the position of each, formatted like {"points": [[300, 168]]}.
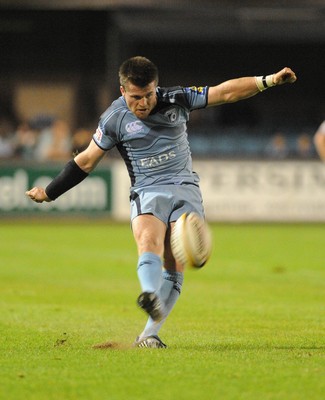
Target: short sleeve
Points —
{"points": [[197, 96], [102, 139]]}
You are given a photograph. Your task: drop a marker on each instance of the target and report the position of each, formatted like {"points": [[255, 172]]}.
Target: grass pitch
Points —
{"points": [[249, 325]]}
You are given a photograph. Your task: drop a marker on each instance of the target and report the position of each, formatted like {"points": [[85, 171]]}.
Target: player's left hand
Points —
{"points": [[286, 75]]}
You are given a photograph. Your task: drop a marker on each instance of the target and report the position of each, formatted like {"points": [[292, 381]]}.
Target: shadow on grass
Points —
{"points": [[245, 347], [217, 347]]}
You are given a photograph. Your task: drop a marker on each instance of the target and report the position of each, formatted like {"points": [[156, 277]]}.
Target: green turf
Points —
{"points": [[250, 325]]}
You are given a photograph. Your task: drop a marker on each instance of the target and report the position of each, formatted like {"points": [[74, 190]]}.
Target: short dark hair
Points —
{"points": [[139, 71]]}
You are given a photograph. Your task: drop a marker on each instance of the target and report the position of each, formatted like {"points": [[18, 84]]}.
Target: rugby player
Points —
{"points": [[319, 140], [147, 124]]}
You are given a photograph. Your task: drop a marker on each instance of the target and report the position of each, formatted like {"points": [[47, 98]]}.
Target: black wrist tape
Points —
{"points": [[69, 177]]}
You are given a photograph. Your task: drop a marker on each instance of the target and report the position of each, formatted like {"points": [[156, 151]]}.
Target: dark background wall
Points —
{"points": [[199, 43]]}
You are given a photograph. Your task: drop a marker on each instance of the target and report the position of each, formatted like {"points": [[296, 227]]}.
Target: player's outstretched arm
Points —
{"points": [[242, 88], [74, 172]]}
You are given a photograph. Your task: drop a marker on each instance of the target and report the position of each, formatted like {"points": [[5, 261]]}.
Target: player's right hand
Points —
{"points": [[286, 75], [38, 195]]}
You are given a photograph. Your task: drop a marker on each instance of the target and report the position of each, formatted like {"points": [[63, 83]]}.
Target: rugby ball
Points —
{"points": [[191, 241]]}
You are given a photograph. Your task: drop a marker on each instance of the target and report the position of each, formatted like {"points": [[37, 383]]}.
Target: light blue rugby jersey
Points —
{"points": [[155, 150]]}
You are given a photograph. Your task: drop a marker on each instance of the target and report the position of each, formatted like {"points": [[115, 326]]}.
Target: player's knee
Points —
{"points": [[148, 243]]}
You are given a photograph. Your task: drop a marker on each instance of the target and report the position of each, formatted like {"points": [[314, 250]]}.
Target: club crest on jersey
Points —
{"points": [[172, 115], [134, 127]]}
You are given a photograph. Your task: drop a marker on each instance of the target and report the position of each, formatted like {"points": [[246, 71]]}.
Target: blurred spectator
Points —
{"points": [[277, 148], [25, 141], [304, 146], [6, 138], [319, 140], [81, 139], [54, 142]]}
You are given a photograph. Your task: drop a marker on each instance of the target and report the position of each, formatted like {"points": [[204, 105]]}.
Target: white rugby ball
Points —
{"points": [[191, 241]]}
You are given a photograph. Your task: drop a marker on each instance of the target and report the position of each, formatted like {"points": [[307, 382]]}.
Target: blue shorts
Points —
{"points": [[166, 202]]}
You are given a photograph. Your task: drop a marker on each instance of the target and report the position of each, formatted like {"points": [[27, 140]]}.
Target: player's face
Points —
{"points": [[141, 101]]}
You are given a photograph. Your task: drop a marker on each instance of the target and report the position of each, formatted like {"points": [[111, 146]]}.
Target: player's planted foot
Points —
{"points": [[150, 342], [151, 304]]}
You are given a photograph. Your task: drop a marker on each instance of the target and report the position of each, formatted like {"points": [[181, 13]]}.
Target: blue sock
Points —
{"points": [[149, 272], [169, 294]]}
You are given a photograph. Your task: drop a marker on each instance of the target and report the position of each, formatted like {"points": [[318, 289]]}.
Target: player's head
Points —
{"points": [[138, 80], [139, 71]]}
